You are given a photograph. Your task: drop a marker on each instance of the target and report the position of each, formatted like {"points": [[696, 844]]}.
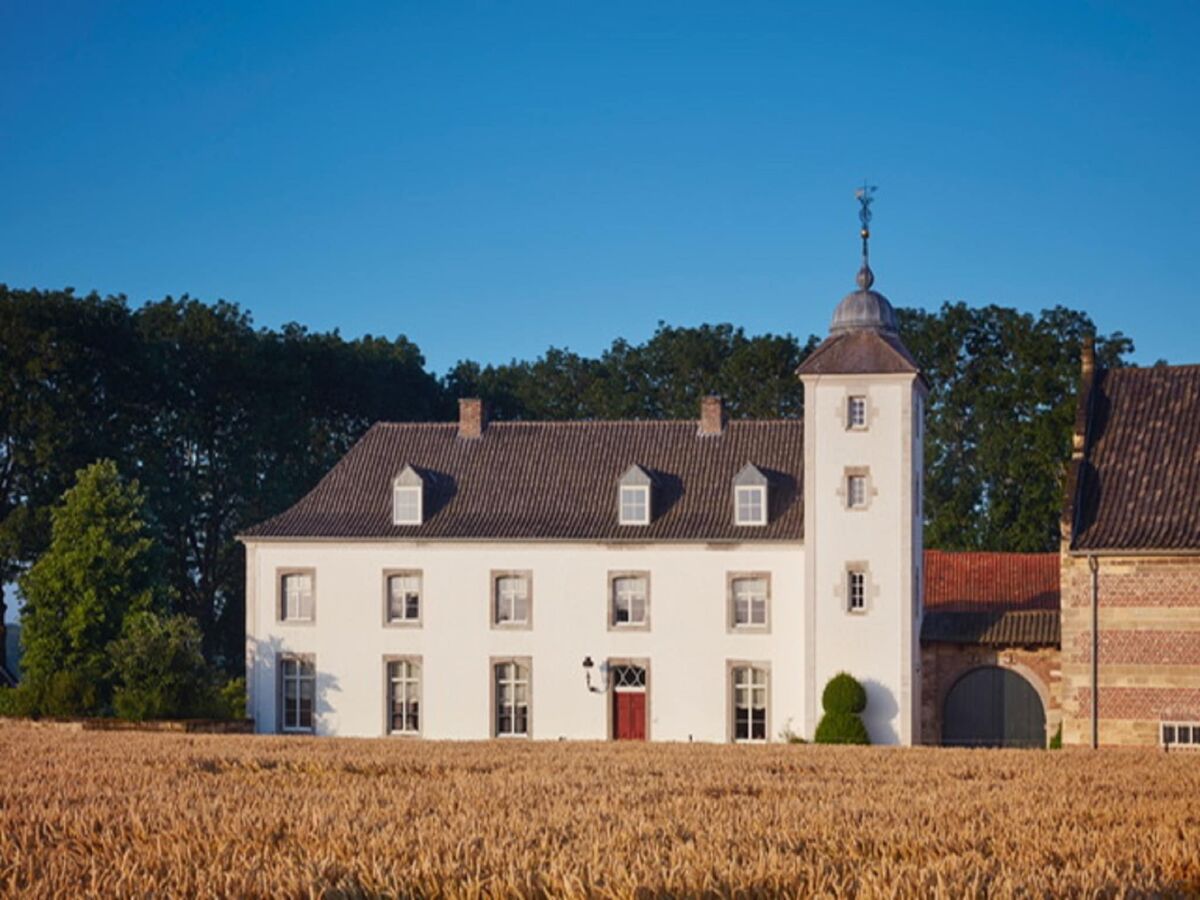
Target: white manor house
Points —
{"points": [[663, 580]]}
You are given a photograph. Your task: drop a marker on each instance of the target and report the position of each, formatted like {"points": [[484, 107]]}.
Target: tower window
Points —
{"points": [[856, 412], [856, 590], [856, 491]]}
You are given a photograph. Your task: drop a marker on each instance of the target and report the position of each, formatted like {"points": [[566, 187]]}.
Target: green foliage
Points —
{"points": [[160, 670], [843, 694], [843, 699], [1000, 416], [841, 728], [98, 566], [1056, 741], [233, 699]]}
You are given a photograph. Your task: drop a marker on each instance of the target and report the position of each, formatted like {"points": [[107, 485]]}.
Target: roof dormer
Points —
{"points": [[750, 496], [408, 497], [634, 497]]}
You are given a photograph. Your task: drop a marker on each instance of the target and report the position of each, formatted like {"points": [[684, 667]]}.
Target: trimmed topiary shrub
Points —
{"points": [[844, 694], [843, 699], [841, 728]]}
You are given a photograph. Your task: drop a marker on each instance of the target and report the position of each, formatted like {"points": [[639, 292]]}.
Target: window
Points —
{"points": [[404, 696], [511, 600], [856, 491], [635, 505], [298, 678], [406, 505], [296, 597], [856, 590], [749, 703], [751, 507], [404, 598], [512, 699], [630, 600], [749, 598], [1180, 735], [856, 412]]}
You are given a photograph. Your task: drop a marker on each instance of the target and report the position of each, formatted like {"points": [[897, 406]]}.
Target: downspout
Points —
{"points": [[1094, 566]]}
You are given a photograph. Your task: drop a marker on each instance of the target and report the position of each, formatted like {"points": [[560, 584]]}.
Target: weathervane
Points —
{"points": [[865, 196]]}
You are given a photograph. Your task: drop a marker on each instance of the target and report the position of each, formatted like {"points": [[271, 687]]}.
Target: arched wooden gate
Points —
{"points": [[993, 707]]}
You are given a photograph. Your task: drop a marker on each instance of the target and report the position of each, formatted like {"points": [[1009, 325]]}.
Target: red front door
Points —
{"points": [[629, 715]]}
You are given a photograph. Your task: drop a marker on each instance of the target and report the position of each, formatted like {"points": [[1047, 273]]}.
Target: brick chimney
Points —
{"points": [[472, 417], [712, 415]]}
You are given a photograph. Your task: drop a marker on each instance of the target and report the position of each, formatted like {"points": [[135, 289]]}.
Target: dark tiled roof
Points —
{"points": [[990, 582], [1139, 486], [1032, 628], [555, 480], [859, 352], [991, 598]]}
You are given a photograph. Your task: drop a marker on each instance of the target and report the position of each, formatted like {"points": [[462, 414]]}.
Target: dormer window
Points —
{"points": [[750, 496], [633, 497], [408, 498]]}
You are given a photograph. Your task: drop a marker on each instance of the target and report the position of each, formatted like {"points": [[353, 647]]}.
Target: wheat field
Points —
{"points": [[124, 814]]}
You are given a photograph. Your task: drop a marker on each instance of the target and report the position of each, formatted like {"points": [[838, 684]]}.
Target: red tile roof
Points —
{"points": [[990, 582], [555, 481]]}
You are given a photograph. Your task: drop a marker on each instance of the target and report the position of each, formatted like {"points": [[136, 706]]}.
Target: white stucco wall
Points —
{"points": [[688, 644], [877, 646]]}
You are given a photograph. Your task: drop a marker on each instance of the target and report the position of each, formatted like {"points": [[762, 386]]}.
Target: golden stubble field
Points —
{"points": [[124, 814]]}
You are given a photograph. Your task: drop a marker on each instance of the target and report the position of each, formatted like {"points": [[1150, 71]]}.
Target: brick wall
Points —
{"points": [[942, 664], [1149, 652]]}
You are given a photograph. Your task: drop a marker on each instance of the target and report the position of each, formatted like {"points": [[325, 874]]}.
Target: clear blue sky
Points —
{"points": [[493, 178]]}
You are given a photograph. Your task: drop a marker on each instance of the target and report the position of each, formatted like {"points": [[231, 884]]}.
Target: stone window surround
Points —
{"points": [[843, 490], [610, 607], [280, 657], [871, 589], [282, 572], [493, 583], [493, 723], [731, 627], [843, 411], [730, 666], [403, 623], [388, 659], [642, 663]]}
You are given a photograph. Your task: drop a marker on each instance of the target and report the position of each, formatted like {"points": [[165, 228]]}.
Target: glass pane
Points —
{"points": [[521, 720], [1168, 734], [758, 725]]}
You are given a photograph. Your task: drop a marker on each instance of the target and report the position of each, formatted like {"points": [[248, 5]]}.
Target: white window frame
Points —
{"points": [[856, 590], [403, 674], [292, 670], [739, 583], [506, 686], [623, 586], [755, 678], [290, 606], [414, 509], [856, 403], [1192, 729], [745, 517], [859, 501], [504, 599], [630, 499], [405, 620]]}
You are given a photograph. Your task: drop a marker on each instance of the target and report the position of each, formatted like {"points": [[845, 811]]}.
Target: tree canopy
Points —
{"points": [[224, 424]]}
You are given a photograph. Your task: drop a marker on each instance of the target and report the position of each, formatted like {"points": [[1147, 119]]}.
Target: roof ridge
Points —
{"points": [[505, 423]]}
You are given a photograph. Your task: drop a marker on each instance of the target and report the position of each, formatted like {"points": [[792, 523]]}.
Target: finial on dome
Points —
{"points": [[865, 277], [865, 196]]}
